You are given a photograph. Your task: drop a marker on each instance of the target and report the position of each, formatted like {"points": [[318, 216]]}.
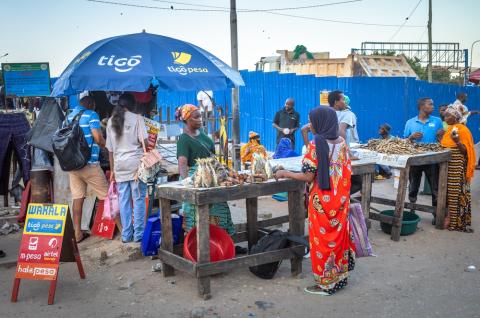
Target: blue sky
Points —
{"points": [[56, 30]]}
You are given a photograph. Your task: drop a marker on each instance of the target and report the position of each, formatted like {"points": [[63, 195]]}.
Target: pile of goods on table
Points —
{"points": [[398, 146], [211, 173]]}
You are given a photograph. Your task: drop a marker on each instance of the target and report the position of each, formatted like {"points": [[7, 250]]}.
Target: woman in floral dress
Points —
{"points": [[327, 168]]}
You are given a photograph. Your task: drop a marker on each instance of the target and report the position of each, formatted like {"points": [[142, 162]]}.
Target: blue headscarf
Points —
{"points": [[325, 124], [284, 149]]}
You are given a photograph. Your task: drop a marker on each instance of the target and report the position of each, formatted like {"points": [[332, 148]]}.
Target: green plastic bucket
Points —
{"points": [[409, 222]]}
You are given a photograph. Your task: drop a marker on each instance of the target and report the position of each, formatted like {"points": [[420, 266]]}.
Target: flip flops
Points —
{"points": [[315, 290], [85, 235]]}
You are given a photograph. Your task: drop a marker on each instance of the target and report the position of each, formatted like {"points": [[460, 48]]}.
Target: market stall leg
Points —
{"points": [[296, 225], [366, 197], [167, 236], [203, 248], [442, 195], [252, 215], [399, 206]]}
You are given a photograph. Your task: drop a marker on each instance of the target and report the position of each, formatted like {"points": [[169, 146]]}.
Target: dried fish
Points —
{"points": [[398, 146]]}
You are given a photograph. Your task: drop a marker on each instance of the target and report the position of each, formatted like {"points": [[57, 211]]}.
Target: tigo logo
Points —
{"points": [[181, 58], [122, 64]]}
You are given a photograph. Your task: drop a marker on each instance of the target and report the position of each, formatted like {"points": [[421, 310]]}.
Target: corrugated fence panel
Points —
{"points": [[375, 100]]}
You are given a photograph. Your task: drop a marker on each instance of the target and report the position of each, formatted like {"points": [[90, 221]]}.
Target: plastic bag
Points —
{"points": [[358, 228], [111, 207]]}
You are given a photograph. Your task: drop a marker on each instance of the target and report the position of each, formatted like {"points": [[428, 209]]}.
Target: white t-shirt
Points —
{"points": [[127, 150], [205, 99]]}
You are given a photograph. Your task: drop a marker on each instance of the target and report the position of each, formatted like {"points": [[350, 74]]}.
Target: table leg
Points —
{"points": [[203, 247], [366, 197], [399, 206], [296, 224], [252, 215], [167, 235], [442, 195]]}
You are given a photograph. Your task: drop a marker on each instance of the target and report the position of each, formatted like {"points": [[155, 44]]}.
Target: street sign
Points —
{"points": [[26, 79], [42, 248]]}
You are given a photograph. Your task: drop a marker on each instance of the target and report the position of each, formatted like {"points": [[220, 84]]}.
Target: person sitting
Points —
{"points": [[284, 149], [252, 146], [382, 171]]}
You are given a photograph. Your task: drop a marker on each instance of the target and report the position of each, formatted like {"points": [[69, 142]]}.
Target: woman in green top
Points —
{"points": [[193, 144]]}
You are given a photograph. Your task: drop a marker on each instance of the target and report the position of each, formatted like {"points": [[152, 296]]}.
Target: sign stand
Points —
{"points": [[48, 239]]}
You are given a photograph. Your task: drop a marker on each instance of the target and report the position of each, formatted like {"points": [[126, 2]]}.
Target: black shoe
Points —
{"points": [[240, 250], [2, 254]]}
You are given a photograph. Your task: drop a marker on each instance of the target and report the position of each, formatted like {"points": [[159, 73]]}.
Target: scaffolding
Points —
{"points": [[446, 55]]}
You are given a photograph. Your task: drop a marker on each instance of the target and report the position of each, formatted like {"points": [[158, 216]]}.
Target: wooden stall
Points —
{"points": [[203, 269]]}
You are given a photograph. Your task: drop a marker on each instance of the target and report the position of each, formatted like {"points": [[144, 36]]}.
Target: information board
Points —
{"points": [[26, 79]]}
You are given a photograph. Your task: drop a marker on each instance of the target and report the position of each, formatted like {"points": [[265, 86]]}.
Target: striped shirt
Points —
{"points": [[88, 121]]}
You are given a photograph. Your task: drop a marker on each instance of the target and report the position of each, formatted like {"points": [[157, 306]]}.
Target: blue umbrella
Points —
{"points": [[134, 62]]}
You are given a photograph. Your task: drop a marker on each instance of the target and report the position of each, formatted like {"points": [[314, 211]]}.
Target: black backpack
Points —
{"points": [[70, 145], [274, 240]]}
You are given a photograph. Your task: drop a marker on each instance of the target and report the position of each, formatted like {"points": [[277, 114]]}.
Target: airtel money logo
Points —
{"points": [[181, 59], [122, 64]]}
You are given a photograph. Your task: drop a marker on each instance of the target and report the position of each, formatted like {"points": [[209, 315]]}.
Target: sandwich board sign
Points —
{"points": [[47, 240]]}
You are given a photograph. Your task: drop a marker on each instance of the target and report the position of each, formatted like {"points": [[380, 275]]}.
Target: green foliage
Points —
{"points": [[299, 50]]}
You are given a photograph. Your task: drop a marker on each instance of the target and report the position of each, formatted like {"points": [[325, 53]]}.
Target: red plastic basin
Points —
{"points": [[221, 245]]}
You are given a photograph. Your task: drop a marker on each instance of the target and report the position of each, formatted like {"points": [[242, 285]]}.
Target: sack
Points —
{"points": [[70, 146], [111, 206], [358, 228], [274, 240], [150, 165], [49, 119]]}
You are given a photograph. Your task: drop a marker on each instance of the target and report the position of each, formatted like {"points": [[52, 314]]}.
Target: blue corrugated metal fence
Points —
{"points": [[375, 100]]}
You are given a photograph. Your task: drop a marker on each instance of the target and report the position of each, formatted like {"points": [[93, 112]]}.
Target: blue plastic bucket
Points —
{"points": [[153, 232]]}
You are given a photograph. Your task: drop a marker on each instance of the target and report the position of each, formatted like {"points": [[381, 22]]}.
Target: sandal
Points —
{"points": [[85, 236], [469, 230], [316, 290]]}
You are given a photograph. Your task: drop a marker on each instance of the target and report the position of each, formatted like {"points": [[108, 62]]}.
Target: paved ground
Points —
{"points": [[423, 275]]}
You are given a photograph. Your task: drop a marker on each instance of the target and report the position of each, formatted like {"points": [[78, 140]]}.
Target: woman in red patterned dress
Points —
{"points": [[327, 168]]}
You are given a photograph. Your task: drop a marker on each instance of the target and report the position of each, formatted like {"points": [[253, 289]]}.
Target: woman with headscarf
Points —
{"points": [[284, 149], [194, 144], [327, 168], [461, 167], [252, 146]]}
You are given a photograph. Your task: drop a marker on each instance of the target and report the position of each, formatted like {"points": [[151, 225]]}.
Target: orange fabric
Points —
{"points": [[255, 147], [466, 138], [187, 111], [328, 227]]}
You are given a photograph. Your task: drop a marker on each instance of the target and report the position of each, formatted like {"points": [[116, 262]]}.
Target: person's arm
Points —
{"points": [[342, 130], [276, 122], [183, 167], [98, 137], [305, 130], [112, 170], [460, 146], [301, 176]]}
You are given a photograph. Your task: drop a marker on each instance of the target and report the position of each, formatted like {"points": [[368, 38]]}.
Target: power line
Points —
{"points": [[405, 22], [421, 36], [253, 11]]}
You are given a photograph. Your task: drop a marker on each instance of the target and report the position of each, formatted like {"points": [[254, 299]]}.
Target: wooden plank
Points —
{"points": [[428, 159], [408, 205], [402, 188], [366, 193], [177, 262], [442, 195], [203, 246], [363, 168], [264, 223], [252, 225], [381, 218], [247, 261], [296, 225], [167, 235]]}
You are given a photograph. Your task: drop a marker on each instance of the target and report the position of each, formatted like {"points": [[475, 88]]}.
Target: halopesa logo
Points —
{"points": [[122, 64], [183, 58]]}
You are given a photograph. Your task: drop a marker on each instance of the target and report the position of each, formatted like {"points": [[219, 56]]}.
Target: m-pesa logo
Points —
{"points": [[120, 64], [181, 59]]}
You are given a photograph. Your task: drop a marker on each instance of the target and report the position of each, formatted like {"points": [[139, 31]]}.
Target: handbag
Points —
{"points": [[111, 206], [150, 164]]}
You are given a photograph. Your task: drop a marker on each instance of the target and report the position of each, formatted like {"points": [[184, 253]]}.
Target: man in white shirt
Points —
{"points": [[206, 105]]}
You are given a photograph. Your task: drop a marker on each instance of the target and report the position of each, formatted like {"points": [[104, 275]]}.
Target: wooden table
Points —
{"points": [[203, 269], [440, 158]]}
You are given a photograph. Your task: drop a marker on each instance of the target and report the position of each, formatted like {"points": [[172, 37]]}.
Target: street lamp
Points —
{"points": [[471, 54]]}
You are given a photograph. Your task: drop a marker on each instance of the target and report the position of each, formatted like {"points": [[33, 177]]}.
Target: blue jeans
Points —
{"points": [[129, 191]]}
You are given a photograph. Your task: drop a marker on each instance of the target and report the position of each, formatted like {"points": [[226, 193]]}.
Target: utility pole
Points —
{"points": [[235, 110], [429, 68]]}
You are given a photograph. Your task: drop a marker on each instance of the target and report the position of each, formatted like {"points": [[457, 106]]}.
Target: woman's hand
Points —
{"points": [[112, 176], [279, 174], [455, 137]]}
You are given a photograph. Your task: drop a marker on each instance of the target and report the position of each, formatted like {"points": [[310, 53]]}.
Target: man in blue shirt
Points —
{"points": [[90, 175], [427, 129]]}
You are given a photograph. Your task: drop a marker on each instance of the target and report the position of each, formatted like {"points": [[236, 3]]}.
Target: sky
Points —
{"points": [[55, 31]]}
